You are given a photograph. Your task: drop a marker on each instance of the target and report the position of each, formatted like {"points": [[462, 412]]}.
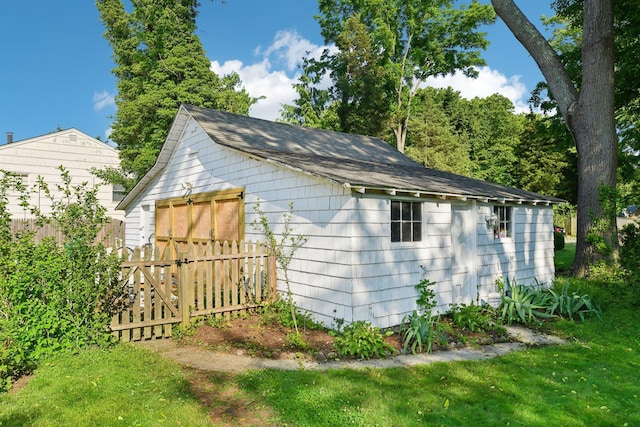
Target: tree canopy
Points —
{"points": [[159, 64], [385, 50]]}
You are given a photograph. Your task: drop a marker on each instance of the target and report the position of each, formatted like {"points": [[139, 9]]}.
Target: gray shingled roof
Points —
{"points": [[363, 163], [353, 160]]}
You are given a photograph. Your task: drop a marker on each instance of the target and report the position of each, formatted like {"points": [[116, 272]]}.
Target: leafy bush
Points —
{"points": [[473, 318], [420, 329], [418, 332], [55, 297], [362, 340], [282, 312], [528, 304], [558, 241], [630, 251]]}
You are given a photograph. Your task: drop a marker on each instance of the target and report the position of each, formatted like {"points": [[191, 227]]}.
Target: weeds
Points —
{"points": [[362, 340]]}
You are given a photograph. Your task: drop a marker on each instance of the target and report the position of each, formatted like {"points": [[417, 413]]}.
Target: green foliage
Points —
{"points": [[522, 304], [279, 312], [420, 328], [473, 318], [630, 251], [603, 227], [297, 341], [418, 332], [385, 50], [159, 64], [571, 304], [282, 247], [56, 297], [529, 304], [558, 241], [362, 340], [426, 295]]}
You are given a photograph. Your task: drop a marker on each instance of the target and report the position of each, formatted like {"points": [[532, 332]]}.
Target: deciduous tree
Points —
{"points": [[386, 49], [587, 108]]}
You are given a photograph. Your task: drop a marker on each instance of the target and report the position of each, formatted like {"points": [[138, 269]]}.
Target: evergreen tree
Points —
{"points": [[160, 63], [432, 139]]}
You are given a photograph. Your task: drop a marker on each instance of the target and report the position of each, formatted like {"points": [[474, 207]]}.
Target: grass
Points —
{"points": [[590, 381], [125, 386], [564, 257]]}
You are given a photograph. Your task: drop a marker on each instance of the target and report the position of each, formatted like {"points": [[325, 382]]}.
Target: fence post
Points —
{"points": [[185, 294], [273, 278]]}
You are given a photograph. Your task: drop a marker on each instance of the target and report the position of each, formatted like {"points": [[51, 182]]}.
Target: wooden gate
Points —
{"points": [[210, 279]]}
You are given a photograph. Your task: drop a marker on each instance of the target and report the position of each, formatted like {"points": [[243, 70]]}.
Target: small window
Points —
{"points": [[406, 221], [118, 193], [503, 225]]}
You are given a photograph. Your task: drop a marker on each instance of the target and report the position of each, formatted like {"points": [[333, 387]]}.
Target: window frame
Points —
{"points": [[405, 229], [504, 221]]}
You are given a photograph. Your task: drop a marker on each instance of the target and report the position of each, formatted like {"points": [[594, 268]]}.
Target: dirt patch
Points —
{"points": [[226, 404], [250, 336]]}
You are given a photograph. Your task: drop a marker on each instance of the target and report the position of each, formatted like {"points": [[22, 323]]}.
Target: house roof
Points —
{"points": [[70, 131], [365, 164]]}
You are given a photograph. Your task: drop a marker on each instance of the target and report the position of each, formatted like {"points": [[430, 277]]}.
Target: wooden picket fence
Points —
{"points": [[218, 279]]}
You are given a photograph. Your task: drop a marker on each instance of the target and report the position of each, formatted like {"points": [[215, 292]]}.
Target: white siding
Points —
{"points": [[42, 156], [349, 269], [525, 258]]}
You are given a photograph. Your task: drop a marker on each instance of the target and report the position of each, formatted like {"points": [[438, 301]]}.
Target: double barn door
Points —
{"points": [[199, 218]]}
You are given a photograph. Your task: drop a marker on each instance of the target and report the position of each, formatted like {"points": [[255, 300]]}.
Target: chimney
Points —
{"points": [[9, 137]]}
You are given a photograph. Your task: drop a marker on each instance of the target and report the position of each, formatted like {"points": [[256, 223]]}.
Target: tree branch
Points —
{"points": [[552, 68]]}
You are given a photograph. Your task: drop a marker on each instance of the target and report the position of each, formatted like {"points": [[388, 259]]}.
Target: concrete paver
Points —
{"points": [[201, 358]]}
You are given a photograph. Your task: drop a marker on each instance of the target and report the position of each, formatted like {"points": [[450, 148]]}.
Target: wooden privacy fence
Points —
{"points": [[111, 235], [210, 279]]}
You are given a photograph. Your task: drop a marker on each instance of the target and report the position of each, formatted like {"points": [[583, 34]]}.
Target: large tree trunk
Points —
{"points": [[589, 114]]}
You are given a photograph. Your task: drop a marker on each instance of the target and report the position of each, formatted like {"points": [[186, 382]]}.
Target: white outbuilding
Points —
{"points": [[376, 222]]}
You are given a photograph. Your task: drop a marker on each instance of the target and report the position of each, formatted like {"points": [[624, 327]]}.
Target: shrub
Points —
{"points": [[418, 332], [472, 318], [55, 297], [522, 304], [558, 241], [630, 250], [421, 328], [362, 340]]}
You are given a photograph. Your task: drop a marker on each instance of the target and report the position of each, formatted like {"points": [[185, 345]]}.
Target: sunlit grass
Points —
{"points": [[564, 257], [121, 387], [589, 381]]}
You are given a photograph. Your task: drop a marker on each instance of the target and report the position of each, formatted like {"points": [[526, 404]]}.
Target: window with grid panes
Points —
{"points": [[406, 221], [503, 226]]}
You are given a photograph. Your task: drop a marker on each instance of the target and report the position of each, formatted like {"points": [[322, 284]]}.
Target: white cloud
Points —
{"points": [[262, 80], [486, 84], [103, 99], [275, 73]]}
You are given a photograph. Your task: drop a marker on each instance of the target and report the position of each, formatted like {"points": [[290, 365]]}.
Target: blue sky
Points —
{"points": [[55, 70]]}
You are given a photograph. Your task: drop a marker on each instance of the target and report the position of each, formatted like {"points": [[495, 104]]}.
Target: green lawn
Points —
{"points": [[126, 386], [564, 257], [590, 382]]}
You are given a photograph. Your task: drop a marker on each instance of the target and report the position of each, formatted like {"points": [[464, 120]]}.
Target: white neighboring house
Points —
{"points": [[41, 156], [376, 221]]}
